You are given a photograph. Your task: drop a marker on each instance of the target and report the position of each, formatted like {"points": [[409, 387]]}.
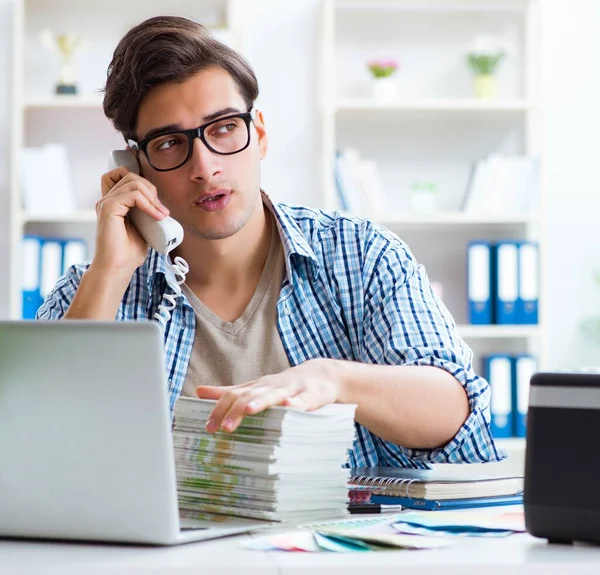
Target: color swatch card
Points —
{"points": [[345, 536], [374, 531], [460, 524]]}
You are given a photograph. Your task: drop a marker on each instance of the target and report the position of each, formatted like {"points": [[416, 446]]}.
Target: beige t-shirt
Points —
{"points": [[230, 353]]}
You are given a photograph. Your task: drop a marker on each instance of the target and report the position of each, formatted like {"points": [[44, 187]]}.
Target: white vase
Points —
{"points": [[486, 86], [384, 88], [423, 201]]}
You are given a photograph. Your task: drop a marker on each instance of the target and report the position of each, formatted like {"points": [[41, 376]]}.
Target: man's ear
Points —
{"points": [[136, 154], [261, 132]]}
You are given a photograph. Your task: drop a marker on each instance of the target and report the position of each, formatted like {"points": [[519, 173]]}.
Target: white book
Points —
{"points": [[46, 181], [530, 183], [372, 188], [476, 194], [348, 162]]}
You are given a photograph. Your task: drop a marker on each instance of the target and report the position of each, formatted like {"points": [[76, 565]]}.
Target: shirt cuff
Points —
{"points": [[473, 443]]}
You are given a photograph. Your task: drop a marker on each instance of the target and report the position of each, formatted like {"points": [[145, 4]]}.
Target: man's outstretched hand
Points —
{"points": [[307, 386]]}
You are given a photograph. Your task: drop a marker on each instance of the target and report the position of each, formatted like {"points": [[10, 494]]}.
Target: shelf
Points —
{"points": [[83, 216], [53, 102], [436, 6], [459, 218], [498, 331], [434, 106]]}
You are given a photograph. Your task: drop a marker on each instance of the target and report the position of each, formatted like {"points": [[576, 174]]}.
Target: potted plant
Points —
{"points": [[384, 84], [483, 57], [423, 197]]}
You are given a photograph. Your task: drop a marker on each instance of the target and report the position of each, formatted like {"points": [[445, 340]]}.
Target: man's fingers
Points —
{"points": [[271, 398], [254, 401], [304, 401], [224, 404], [210, 392], [113, 179]]}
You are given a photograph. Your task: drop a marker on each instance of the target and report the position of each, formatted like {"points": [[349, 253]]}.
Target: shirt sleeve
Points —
{"points": [[405, 323], [57, 302]]}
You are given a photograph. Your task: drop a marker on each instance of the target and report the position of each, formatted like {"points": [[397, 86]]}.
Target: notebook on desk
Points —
{"points": [[434, 485], [446, 504]]}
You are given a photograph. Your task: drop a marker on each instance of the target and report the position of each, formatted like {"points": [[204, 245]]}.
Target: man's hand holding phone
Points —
{"points": [[119, 246], [120, 249]]}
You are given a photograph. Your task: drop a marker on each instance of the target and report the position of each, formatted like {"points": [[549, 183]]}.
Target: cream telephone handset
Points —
{"points": [[163, 236]]}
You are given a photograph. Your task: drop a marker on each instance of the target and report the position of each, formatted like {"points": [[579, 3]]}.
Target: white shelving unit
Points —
{"points": [[457, 219], [40, 117], [499, 331], [80, 216], [63, 101], [435, 129], [440, 106]]}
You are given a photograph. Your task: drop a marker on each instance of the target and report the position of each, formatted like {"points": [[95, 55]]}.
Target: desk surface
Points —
{"points": [[517, 554]]}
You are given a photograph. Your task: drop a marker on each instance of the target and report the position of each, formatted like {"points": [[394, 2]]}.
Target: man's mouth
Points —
{"points": [[217, 200]]}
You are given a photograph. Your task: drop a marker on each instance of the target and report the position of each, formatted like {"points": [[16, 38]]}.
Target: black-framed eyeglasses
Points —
{"points": [[169, 151]]}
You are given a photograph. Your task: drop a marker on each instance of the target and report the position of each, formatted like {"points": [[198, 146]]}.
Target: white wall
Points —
{"points": [[280, 41], [5, 72], [571, 45]]}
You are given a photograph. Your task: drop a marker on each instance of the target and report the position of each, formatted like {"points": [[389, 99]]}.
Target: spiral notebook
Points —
{"points": [[434, 484]]}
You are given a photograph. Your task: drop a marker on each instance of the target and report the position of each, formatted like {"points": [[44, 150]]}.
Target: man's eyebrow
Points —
{"points": [[219, 113], [161, 130], [177, 127]]}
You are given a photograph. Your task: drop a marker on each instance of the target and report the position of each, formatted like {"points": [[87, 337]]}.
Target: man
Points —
{"points": [[282, 305]]}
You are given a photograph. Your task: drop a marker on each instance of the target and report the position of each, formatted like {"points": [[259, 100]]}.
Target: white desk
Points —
{"points": [[515, 555]]}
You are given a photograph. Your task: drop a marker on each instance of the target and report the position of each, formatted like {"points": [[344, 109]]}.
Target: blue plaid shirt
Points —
{"points": [[352, 291]]}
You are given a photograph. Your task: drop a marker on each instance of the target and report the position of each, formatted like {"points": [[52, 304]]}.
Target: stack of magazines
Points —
{"points": [[279, 465]]}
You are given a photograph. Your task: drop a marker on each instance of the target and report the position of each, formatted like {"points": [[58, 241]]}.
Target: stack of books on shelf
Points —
{"points": [[279, 465], [46, 180], [358, 184], [503, 185]]}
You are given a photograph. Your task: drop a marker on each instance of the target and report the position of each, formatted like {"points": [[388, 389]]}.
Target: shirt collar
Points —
{"points": [[292, 239]]}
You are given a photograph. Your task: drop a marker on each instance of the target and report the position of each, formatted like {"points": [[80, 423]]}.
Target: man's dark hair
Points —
{"points": [[166, 49]]}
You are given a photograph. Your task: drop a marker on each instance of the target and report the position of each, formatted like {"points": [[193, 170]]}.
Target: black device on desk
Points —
{"points": [[562, 457]]}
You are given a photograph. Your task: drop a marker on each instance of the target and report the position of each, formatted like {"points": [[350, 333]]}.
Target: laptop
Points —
{"points": [[85, 436]]}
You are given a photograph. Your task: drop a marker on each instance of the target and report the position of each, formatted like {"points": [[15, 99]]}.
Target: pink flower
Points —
{"points": [[383, 64], [382, 68]]}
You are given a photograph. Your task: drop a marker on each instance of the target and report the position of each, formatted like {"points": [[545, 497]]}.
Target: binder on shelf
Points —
{"points": [[498, 371], [479, 282], [74, 252], [31, 265], [45, 260], [524, 366], [528, 282], [51, 265], [507, 302]]}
